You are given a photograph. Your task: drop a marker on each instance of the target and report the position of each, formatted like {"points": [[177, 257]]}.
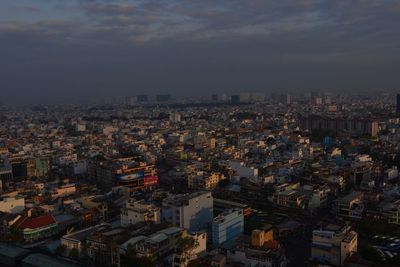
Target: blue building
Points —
{"points": [[227, 226]]}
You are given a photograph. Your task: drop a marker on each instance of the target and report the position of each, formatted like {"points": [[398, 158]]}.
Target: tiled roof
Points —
{"points": [[33, 223]]}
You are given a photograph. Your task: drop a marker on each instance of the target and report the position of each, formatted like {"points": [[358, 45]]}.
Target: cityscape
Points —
{"points": [[199, 133]]}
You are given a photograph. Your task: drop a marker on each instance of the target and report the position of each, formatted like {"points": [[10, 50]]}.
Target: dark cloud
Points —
{"points": [[106, 48]]}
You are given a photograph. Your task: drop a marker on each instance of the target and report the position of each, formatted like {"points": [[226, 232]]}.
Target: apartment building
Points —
{"points": [[191, 211], [333, 244]]}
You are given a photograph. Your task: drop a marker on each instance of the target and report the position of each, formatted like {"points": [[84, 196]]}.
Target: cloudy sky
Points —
{"points": [[69, 50]]}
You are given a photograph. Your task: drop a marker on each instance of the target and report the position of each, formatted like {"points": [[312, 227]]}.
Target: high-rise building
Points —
{"points": [[163, 98], [333, 244], [131, 100], [175, 116], [139, 211], [235, 99], [142, 98], [227, 226], [398, 105], [191, 211], [6, 172]]}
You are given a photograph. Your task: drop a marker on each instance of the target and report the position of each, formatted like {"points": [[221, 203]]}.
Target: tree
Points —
{"points": [[371, 254], [185, 247], [131, 259]]}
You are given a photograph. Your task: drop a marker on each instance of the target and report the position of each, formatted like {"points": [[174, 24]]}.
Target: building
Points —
{"points": [[191, 211], [197, 246], [221, 204], [142, 98], [157, 244], [139, 211], [38, 228], [266, 253], [349, 207], [235, 99], [398, 105], [6, 172], [63, 191], [77, 240], [227, 226], [102, 246], [333, 244], [136, 175], [11, 255], [204, 181], [288, 195], [12, 204], [335, 124], [131, 101], [175, 116], [163, 98]]}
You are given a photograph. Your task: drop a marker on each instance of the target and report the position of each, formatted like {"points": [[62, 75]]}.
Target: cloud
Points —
{"points": [[220, 45]]}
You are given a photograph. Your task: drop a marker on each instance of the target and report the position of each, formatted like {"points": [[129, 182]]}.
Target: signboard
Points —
{"points": [[150, 180], [130, 177]]}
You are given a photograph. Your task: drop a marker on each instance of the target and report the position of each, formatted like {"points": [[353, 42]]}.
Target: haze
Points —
{"points": [[66, 51]]}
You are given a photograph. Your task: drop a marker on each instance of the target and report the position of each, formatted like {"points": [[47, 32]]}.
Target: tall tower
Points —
{"points": [[398, 105]]}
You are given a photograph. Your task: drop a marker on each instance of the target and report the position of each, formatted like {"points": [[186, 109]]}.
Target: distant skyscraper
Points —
{"points": [[131, 100], [142, 98], [163, 98], [398, 105], [214, 98], [235, 99]]}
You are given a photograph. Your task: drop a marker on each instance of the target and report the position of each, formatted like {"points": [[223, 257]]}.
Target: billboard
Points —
{"points": [[150, 180], [130, 177]]}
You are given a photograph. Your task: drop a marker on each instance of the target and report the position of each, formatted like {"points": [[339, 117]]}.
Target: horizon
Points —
{"points": [[65, 51]]}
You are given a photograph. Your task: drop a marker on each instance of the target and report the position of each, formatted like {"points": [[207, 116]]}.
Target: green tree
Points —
{"points": [[131, 259], [371, 254]]}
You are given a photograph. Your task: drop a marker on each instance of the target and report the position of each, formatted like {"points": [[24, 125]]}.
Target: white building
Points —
{"points": [[333, 244], [63, 191], [190, 211], [139, 211]]}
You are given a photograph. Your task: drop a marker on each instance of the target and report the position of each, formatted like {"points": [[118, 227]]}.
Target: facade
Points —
{"points": [[63, 191], [204, 181], [227, 226], [288, 195], [266, 253], [102, 247], [139, 211], [192, 252], [155, 245], [398, 105], [6, 173], [77, 240], [38, 228], [333, 245], [137, 176], [349, 207], [190, 211], [108, 172], [359, 126], [393, 212]]}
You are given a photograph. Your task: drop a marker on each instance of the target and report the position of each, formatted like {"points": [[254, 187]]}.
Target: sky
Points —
{"points": [[73, 50]]}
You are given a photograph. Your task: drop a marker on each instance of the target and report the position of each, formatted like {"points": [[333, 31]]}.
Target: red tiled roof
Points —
{"points": [[33, 223]]}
